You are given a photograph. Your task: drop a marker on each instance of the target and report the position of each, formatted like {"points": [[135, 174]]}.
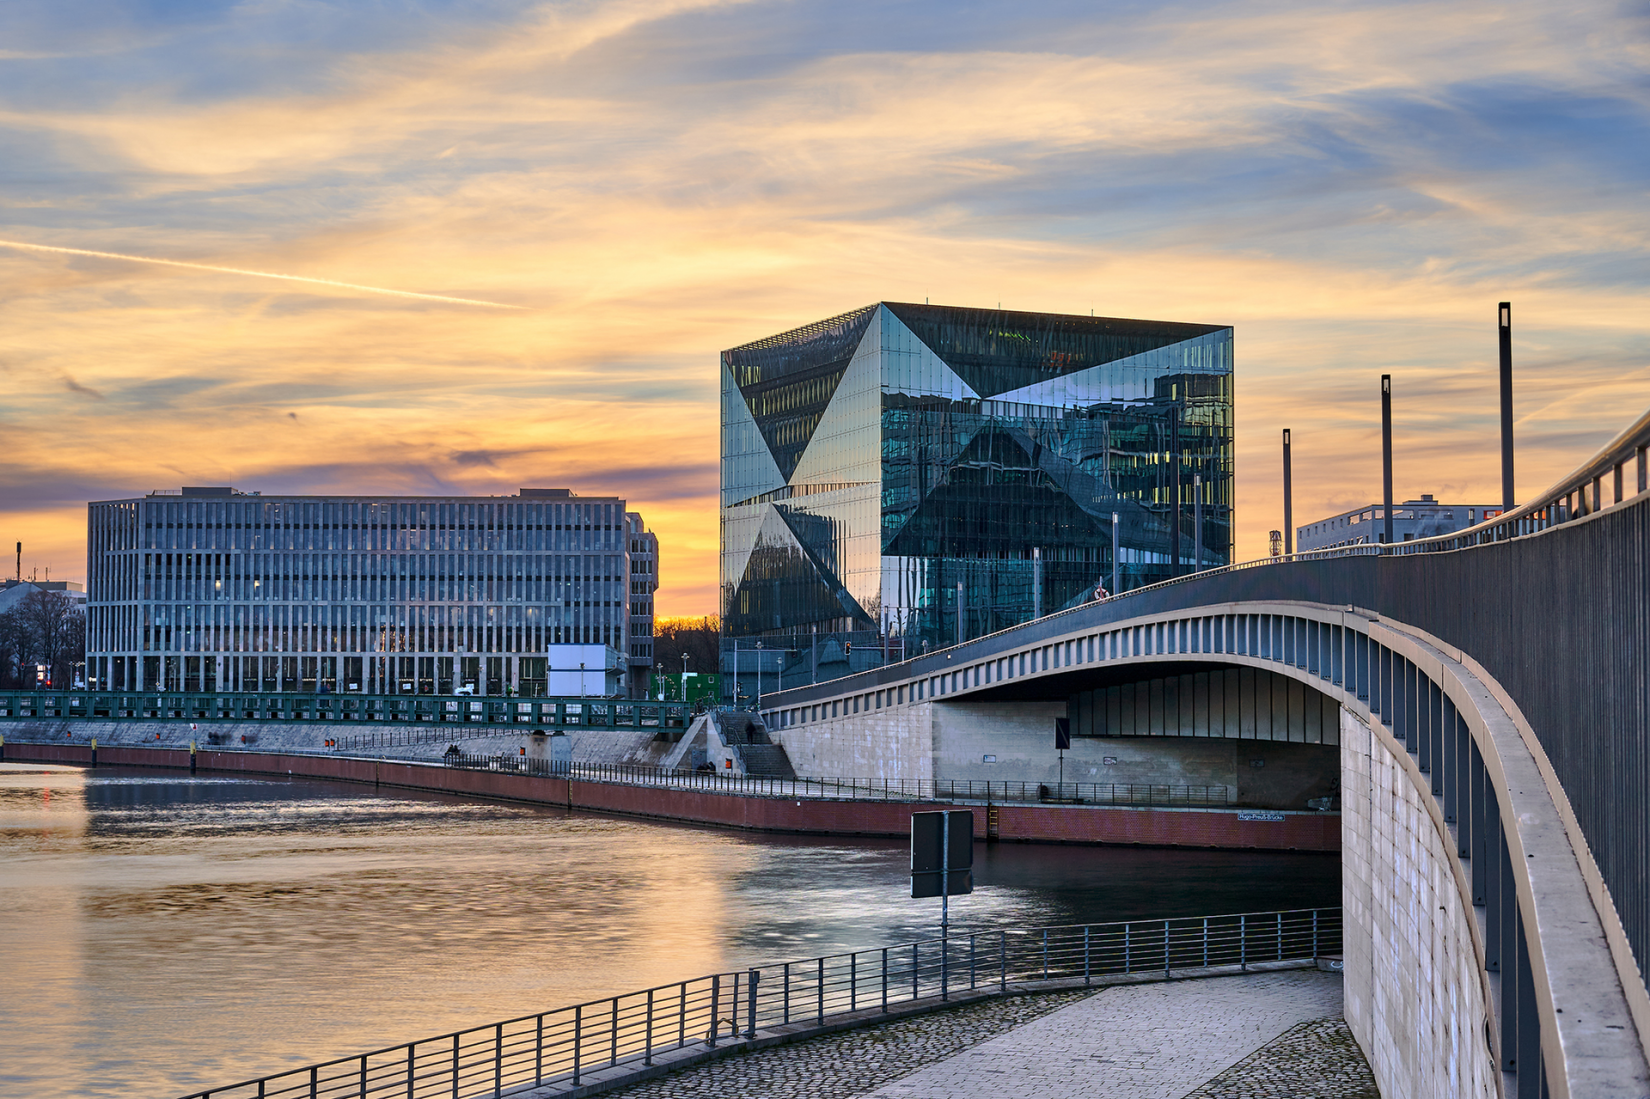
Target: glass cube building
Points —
{"points": [[904, 476]]}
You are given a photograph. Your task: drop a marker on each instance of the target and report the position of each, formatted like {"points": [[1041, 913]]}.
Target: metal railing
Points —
{"points": [[1086, 793], [558, 1049], [557, 713], [1617, 474]]}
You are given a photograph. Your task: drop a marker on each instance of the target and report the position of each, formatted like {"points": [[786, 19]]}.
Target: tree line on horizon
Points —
{"points": [[43, 630], [699, 638]]}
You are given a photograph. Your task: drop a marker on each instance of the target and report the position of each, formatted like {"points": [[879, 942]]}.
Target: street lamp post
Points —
{"points": [[758, 705]]}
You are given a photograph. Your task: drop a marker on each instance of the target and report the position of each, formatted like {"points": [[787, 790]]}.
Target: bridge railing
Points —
{"points": [[1618, 472], [559, 1049], [561, 713], [1075, 793]]}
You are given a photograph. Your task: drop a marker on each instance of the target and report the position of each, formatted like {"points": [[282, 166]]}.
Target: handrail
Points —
{"points": [[1556, 506], [860, 789], [361, 710], [557, 1049]]}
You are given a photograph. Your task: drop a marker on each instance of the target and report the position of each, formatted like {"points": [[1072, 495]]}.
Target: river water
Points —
{"points": [[162, 934]]}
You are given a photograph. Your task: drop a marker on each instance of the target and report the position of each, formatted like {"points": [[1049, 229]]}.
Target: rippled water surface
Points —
{"points": [[162, 934]]}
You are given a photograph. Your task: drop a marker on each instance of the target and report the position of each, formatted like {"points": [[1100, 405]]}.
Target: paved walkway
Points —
{"points": [[1258, 1036]]}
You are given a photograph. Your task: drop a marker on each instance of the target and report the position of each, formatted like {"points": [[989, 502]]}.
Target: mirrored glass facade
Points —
{"points": [[904, 475]]}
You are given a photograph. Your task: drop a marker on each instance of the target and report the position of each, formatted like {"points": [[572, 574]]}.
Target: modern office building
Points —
{"points": [[644, 581], [211, 589], [902, 476], [1423, 518]]}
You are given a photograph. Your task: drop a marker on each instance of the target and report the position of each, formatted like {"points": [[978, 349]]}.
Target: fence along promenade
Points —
{"points": [[556, 1051], [877, 789]]}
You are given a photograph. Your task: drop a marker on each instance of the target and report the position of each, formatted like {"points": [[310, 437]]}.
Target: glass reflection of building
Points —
{"points": [[902, 475]]}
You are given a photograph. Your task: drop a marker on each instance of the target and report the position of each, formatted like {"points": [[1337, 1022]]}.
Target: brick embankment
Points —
{"points": [[1221, 828]]}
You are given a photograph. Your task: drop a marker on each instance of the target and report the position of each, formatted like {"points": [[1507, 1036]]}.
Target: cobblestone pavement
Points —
{"points": [[852, 1062], [1264, 1035], [1316, 1060], [1156, 1041]]}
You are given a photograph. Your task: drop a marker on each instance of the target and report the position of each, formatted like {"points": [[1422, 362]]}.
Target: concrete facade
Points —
{"points": [[1014, 742], [1415, 997], [895, 743]]}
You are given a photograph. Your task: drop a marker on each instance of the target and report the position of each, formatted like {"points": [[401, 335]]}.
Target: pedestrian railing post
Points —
{"points": [[853, 982], [1086, 955], [538, 1054], [916, 970], [1045, 953], [1314, 933], [681, 1016], [821, 992], [750, 1003], [733, 1010], [1205, 942], [1280, 936], [1165, 949], [885, 980], [455, 1066], [1243, 943], [1002, 956], [410, 1059], [786, 1010], [1128, 962], [498, 1060], [578, 1028], [647, 1055], [973, 944], [363, 1076], [715, 1006]]}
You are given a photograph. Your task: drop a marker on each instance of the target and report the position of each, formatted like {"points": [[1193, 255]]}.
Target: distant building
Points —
{"points": [[1412, 519], [209, 589], [644, 581], [902, 476], [13, 592]]}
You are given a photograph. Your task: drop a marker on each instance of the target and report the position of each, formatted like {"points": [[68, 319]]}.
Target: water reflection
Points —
{"points": [[167, 933]]}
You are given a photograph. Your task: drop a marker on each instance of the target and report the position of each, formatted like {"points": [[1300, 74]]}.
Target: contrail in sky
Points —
{"points": [[255, 274]]}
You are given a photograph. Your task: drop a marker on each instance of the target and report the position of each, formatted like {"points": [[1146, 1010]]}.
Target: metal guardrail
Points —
{"points": [[1086, 793], [559, 713], [1618, 473], [556, 1049]]}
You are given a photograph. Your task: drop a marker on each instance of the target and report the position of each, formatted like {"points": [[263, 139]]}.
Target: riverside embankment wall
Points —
{"points": [[808, 815]]}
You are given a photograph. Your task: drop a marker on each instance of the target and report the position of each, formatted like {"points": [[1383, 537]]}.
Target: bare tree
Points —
{"points": [[14, 645], [699, 638], [54, 633]]}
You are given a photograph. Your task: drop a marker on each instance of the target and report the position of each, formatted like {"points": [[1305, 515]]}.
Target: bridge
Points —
{"points": [[1488, 696]]}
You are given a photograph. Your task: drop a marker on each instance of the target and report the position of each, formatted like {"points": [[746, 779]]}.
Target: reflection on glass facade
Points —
{"points": [[218, 590], [904, 475]]}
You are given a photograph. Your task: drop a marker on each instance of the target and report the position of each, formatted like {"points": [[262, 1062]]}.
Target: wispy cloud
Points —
{"points": [[310, 279]]}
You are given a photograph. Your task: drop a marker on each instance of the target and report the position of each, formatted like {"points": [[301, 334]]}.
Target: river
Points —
{"points": [[164, 933]]}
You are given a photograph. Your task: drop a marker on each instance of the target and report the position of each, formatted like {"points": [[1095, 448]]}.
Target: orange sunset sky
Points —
{"points": [[637, 185]]}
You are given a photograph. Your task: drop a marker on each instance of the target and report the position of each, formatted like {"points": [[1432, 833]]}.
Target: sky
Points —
{"points": [[518, 234]]}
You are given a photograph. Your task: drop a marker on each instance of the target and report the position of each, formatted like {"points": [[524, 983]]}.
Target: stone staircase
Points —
{"points": [[765, 760]]}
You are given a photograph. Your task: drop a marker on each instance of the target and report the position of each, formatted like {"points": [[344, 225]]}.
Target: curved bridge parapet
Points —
{"points": [[1503, 675]]}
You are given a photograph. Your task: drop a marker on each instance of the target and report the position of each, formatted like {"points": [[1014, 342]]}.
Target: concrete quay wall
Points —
{"points": [[1014, 741], [817, 816]]}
